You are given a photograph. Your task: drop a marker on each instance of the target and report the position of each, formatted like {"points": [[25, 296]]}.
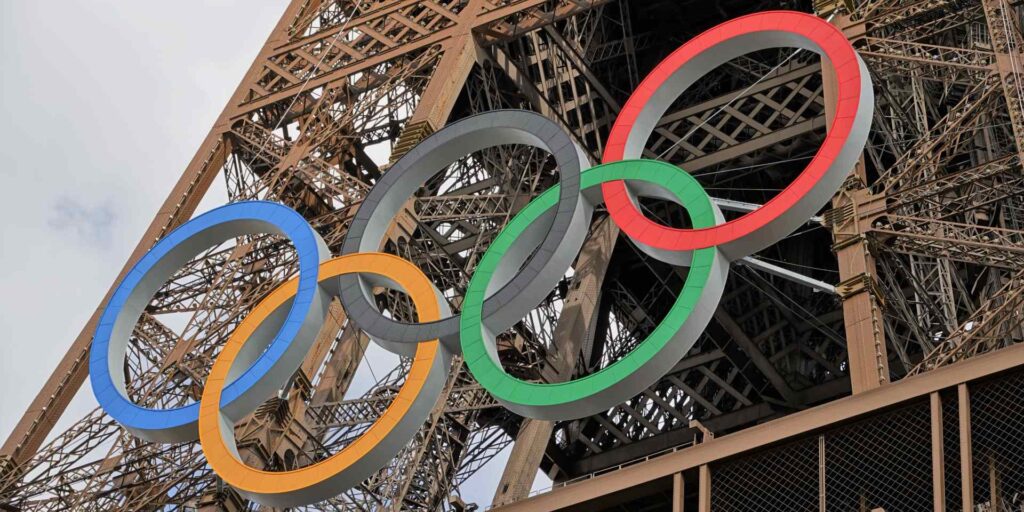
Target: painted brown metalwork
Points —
{"points": [[923, 245]]}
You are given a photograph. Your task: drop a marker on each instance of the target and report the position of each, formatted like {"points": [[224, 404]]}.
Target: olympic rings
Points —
{"points": [[646, 363], [521, 289], [367, 453], [811, 190], [523, 263], [265, 372]]}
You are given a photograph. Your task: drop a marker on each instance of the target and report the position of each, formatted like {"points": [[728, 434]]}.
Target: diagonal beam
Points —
{"points": [[756, 356]]}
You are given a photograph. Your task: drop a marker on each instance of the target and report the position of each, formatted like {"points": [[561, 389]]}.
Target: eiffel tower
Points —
{"points": [[899, 305]]}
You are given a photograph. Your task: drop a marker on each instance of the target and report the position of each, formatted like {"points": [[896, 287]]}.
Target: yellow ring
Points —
{"points": [[289, 488]]}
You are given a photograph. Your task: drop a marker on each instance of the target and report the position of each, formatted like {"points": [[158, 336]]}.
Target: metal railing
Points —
{"points": [[610, 469]]}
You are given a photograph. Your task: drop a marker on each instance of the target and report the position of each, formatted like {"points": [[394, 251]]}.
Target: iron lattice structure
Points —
{"points": [[924, 244]]}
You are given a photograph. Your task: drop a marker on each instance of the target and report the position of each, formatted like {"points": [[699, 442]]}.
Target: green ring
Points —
{"points": [[511, 391]]}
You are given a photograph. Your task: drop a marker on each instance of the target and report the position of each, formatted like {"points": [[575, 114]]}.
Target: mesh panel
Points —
{"points": [[881, 462], [780, 479], [997, 438], [951, 448], [884, 461]]}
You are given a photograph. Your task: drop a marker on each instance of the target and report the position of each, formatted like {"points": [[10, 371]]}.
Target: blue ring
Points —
{"points": [[153, 424]]}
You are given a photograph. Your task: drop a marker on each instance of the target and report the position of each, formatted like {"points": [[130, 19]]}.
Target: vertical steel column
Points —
{"points": [[704, 489], [938, 458], [966, 460], [821, 473], [862, 317], [678, 492]]}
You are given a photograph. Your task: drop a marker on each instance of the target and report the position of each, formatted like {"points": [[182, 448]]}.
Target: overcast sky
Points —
{"points": [[103, 104]]}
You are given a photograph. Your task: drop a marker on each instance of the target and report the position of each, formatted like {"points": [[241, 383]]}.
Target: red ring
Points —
{"points": [[833, 45]]}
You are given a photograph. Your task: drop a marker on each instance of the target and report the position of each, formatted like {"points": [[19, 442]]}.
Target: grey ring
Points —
{"points": [[518, 290]]}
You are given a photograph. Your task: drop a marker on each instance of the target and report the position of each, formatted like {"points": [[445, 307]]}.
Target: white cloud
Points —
{"points": [[90, 225]]}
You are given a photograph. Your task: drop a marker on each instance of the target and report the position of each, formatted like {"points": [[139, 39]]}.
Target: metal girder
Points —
{"points": [[336, 77], [506, 19], [920, 162], [962, 191], [997, 323], [932, 62], [780, 107], [969, 243], [573, 333], [756, 356]]}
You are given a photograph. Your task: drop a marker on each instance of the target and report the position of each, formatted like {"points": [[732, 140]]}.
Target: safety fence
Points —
{"points": [[889, 462], [997, 443]]}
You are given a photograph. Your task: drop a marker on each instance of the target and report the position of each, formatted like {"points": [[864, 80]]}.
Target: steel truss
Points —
{"points": [[924, 244]]}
